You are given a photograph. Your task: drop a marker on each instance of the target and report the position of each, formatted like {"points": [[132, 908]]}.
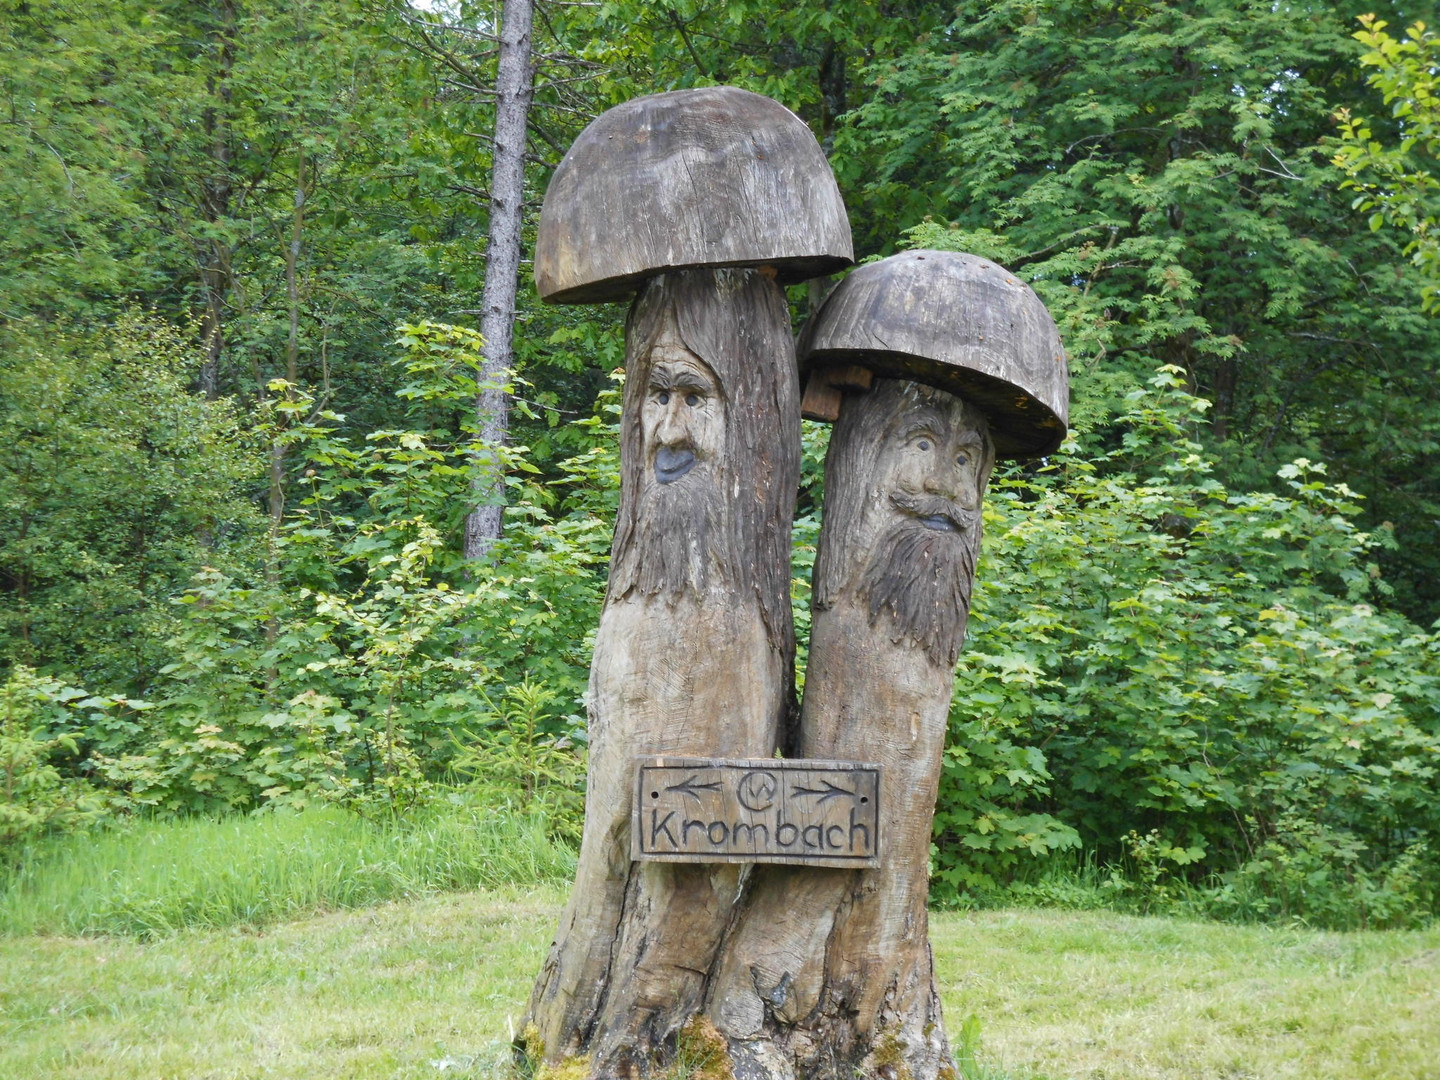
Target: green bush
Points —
{"points": [[117, 482], [517, 752], [345, 665], [1197, 689], [1154, 656], [36, 731]]}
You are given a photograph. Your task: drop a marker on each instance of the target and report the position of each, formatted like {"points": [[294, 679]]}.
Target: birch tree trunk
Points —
{"points": [[215, 253], [830, 971], [694, 656], [514, 87]]}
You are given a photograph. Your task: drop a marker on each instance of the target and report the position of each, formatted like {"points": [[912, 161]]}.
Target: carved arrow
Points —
{"points": [[830, 791], [688, 786]]}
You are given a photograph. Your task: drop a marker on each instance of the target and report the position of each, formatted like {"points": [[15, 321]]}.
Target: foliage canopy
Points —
{"points": [[232, 500]]}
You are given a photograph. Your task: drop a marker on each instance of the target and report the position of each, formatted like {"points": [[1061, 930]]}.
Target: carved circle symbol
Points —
{"points": [[756, 790]]}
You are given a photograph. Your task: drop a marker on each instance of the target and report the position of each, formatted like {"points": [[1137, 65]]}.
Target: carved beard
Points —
{"points": [[920, 578], [681, 538]]}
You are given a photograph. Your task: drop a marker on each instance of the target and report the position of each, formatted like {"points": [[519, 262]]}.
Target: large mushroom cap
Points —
{"points": [[711, 177], [957, 322]]}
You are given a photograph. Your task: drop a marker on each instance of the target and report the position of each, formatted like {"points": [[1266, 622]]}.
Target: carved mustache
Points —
{"points": [[935, 512]]}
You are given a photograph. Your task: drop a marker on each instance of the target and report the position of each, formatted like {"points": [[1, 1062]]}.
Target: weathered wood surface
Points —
{"points": [[828, 972], [696, 626], [710, 177], [957, 322], [757, 810], [821, 401], [825, 387]]}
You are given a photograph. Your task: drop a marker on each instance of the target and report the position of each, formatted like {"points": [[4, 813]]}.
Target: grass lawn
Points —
{"points": [[430, 988], [423, 988], [1099, 996]]}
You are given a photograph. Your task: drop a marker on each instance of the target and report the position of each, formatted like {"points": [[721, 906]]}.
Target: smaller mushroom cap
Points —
{"points": [[957, 322], [717, 176]]}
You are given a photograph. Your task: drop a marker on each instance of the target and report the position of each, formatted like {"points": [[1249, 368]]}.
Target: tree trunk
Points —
{"points": [[1226, 377], [293, 248], [514, 86], [694, 656], [830, 971], [215, 253]]}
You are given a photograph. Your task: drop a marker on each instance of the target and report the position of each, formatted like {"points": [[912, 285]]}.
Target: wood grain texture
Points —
{"points": [[715, 177], [821, 401], [957, 322], [830, 972], [824, 387], [694, 655]]}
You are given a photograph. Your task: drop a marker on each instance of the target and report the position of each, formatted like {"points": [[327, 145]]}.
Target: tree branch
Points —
{"points": [[545, 137], [685, 37]]}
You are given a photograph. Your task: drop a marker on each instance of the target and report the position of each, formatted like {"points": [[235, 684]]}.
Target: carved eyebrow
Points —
{"points": [[927, 423], [681, 375]]}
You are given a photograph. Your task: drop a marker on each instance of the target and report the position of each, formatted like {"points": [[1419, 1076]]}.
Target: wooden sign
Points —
{"points": [[811, 813]]}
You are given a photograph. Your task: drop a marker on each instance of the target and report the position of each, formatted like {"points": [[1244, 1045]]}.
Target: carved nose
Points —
{"points": [[940, 483], [671, 430], [673, 462], [967, 494]]}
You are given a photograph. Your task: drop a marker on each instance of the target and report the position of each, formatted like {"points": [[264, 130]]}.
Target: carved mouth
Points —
{"points": [[673, 462], [935, 513]]}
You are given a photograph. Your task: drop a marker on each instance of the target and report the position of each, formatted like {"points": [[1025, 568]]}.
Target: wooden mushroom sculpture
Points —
{"points": [[953, 321], [829, 973], [699, 203]]}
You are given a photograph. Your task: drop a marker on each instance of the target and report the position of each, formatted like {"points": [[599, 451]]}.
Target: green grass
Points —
{"points": [[156, 877], [422, 988], [192, 949], [432, 988], [1071, 995]]}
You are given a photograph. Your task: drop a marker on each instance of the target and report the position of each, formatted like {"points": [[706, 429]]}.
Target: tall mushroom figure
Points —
{"points": [[702, 203], [827, 972]]}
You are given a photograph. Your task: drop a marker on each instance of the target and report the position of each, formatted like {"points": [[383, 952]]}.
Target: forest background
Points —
{"points": [[245, 243]]}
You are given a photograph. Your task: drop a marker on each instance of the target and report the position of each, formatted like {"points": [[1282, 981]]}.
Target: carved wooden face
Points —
{"points": [[709, 442], [933, 465], [904, 479], [683, 418]]}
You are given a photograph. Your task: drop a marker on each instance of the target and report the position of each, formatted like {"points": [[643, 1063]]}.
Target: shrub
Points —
{"points": [[345, 665], [517, 752], [117, 482], [1155, 656], [36, 798]]}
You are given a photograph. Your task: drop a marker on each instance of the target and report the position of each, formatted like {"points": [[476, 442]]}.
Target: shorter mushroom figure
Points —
{"points": [[829, 973], [956, 322], [699, 204]]}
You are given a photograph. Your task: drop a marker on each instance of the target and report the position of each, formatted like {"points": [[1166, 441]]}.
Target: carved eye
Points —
{"points": [[692, 400], [664, 397], [923, 444], [962, 460]]}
